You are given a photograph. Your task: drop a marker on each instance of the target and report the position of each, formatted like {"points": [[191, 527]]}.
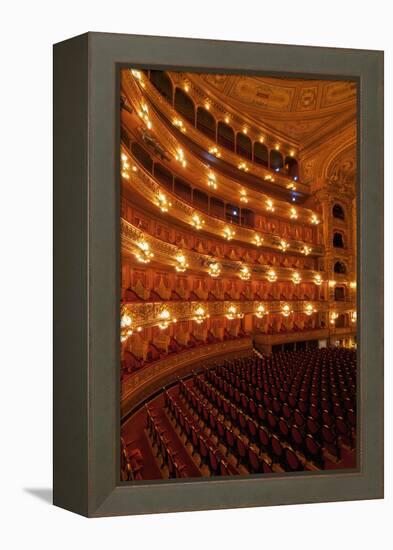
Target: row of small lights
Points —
{"points": [[144, 255], [227, 119], [200, 315], [164, 204]]}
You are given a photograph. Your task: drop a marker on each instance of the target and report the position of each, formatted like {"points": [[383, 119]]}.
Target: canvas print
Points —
{"points": [[238, 315]]}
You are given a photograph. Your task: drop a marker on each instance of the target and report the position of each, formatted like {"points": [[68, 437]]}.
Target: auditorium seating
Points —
{"points": [[290, 412]]}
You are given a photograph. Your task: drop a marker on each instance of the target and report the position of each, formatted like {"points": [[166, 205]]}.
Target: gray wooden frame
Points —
{"points": [[86, 274]]}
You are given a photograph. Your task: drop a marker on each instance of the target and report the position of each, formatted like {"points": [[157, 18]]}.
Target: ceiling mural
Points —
{"points": [[299, 109]]}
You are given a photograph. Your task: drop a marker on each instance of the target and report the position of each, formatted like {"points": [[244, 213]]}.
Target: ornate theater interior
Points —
{"points": [[238, 274]]}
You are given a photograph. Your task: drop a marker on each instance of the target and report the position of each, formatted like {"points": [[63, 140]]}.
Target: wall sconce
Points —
{"points": [[306, 250], [211, 180], [314, 220], [182, 263], [353, 316], [197, 221], [180, 157], [261, 311], [245, 274], [144, 254], [233, 314], [214, 269], [214, 151], [309, 309], [179, 124], [165, 319], [269, 205], [333, 317], [318, 280], [293, 213], [286, 310], [243, 166], [284, 245], [162, 202], [296, 278], [144, 115], [271, 276], [243, 196], [200, 315], [229, 233], [258, 240]]}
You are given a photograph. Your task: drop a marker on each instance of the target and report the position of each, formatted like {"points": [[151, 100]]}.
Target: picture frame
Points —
{"points": [[86, 383]]}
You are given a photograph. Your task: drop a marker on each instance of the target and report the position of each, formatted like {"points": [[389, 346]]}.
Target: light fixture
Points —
{"points": [[284, 245], [269, 205], [243, 196], [181, 263], [211, 180], [292, 153], [261, 139], [277, 147], [144, 115], [296, 279], [243, 166], [180, 157], [207, 106], [333, 317], [144, 254], [165, 319], [125, 166], [261, 311], [309, 309], [314, 220], [332, 284], [318, 280], [197, 221], [200, 315], [136, 74], [214, 151], [293, 214], [214, 269], [306, 250], [352, 284], [229, 233], [179, 124], [258, 240], [227, 119], [162, 202], [268, 177], [271, 276], [245, 130], [126, 326], [286, 310], [353, 316], [233, 314], [291, 186], [186, 87], [245, 273]]}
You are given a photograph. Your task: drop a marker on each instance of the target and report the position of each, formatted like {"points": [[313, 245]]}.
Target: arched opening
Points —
{"points": [[184, 105], [201, 200], [142, 156], [225, 136], [163, 175], [248, 217], [276, 160], [291, 167], [339, 267], [183, 190], [261, 154], [206, 123], [338, 241], [339, 293], [232, 213], [217, 207], [338, 212], [243, 146], [163, 83]]}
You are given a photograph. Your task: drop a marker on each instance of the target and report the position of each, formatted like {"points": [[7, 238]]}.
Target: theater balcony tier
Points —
{"points": [[213, 147], [153, 198], [216, 261], [202, 188]]}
